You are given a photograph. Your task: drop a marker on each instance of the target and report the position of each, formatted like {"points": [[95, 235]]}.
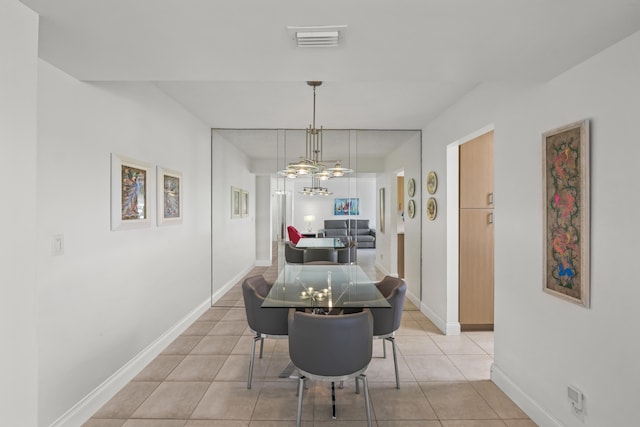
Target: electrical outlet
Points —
{"points": [[57, 244], [576, 398]]}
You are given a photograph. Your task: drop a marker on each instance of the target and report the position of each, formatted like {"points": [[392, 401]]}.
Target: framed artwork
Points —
{"points": [[432, 182], [236, 202], [411, 208], [411, 187], [565, 176], [169, 196], [244, 203], [381, 211], [131, 190], [432, 208], [350, 206]]}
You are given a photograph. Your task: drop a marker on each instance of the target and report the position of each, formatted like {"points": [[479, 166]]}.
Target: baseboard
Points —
{"points": [[384, 270], [92, 402], [530, 407], [447, 328], [413, 298]]}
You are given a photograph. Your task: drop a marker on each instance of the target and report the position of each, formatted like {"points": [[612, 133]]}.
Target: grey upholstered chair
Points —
{"points": [[265, 322], [386, 321], [347, 255], [331, 348], [293, 254], [320, 254]]}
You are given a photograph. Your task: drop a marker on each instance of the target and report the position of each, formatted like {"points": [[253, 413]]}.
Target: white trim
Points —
{"points": [[215, 296], [531, 407], [448, 328], [384, 271], [92, 402]]}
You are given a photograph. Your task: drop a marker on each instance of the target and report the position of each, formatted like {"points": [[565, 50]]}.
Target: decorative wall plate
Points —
{"points": [[432, 208], [432, 182], [411, 187], [411, 208]]}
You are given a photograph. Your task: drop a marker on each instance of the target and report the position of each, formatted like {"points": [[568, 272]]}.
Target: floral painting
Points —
{"points": [[350, 206], [566, 204], [134, 193], [171, 196]]}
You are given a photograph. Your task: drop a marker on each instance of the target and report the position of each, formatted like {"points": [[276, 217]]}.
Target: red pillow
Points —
{"points": [[294, 234]]}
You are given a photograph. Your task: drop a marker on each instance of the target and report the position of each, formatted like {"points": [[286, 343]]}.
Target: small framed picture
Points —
{"points": [[236, 202], [132, 185], [244, 203], [169, 196]]}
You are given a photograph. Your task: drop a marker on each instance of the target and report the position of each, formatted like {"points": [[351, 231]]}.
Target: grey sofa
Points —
{"points": [[347, 230]]}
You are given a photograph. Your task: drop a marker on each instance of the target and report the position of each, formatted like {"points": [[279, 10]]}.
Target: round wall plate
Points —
{"points": [[411, 208], [411, 187], [432, 208], [432, 182]]}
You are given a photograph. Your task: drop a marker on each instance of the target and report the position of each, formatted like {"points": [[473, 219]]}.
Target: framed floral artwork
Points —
{"points": [[169, 196], [132, 185], [565, 184]]}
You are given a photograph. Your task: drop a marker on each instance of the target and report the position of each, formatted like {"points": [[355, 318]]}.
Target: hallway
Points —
{"points": [[200, 381]]}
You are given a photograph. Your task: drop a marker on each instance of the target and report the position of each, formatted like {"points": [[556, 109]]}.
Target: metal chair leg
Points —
{"points": [[261, 346], [367, 404], [253, 354], [384, 349], [300, 390], [395, 360]]}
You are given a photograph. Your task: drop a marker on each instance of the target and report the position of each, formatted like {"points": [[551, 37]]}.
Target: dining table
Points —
{"points": [[324, 288], [320, 242]]}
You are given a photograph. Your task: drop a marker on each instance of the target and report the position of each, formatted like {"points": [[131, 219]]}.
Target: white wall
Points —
{"points": [[263, 220], [543, 343], [112, 293], [321, 207], [234, 242], [18, 302], [405, 158]]}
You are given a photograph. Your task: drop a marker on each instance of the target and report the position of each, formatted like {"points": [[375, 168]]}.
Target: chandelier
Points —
{"points": [[312, 164]]}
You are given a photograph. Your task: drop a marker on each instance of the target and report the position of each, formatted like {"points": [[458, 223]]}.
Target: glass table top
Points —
{"points": [[320, 242], [324, 286]]}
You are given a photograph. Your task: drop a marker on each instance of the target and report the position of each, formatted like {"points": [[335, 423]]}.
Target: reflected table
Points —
{"points": [[324, 287], [320, 242]]}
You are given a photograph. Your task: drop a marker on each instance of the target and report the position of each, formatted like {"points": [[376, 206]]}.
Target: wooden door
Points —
{"points": [[476, 268], [476, 172], [476, 233]]}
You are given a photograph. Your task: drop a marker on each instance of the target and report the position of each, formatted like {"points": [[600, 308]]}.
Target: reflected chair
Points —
{"points": [[320, 254], [294, 234], [331, 348], [292, 254], [265, 322], [347, 255], [386, 321]]}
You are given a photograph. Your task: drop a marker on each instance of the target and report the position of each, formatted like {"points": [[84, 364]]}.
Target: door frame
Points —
{"points": [[452, 316]]}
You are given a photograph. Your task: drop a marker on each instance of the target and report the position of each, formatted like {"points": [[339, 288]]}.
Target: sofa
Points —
{"points": [[350, 230]]}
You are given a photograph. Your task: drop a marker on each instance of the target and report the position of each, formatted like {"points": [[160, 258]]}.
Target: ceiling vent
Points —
{"points": [[318, 36]]}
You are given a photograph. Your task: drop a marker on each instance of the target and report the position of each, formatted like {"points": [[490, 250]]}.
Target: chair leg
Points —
{"points": [[261, 346], [333, 400], [367, 404], [357, 386], [253, 354], [300, 390], [395, 360], [384, 349]]}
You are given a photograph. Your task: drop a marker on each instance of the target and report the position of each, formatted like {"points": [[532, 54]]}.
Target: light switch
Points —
{"points": [[57, 244]]}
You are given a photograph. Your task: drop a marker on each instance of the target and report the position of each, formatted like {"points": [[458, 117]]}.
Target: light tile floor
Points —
{"points": [[200, 381]]}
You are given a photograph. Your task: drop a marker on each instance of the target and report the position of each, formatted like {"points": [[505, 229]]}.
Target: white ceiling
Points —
{"points": [[233, 64]]}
